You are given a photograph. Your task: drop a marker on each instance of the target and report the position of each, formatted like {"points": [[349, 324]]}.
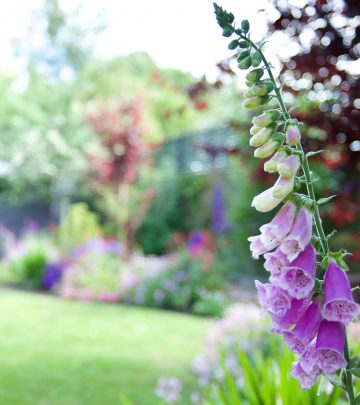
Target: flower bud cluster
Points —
{"points": [[312, 327]]}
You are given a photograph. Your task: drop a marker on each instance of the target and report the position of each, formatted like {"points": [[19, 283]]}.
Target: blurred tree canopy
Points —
{"points": [[46, 141]]}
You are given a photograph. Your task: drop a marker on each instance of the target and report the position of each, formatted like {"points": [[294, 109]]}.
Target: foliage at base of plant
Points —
{"points": [[262, 378], [188, 286]]}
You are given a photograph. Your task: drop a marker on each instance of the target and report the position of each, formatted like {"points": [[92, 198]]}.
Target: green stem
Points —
{"points": [[317, 218], [348, 375]]}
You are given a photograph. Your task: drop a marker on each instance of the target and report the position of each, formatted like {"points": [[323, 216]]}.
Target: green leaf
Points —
{"points": [[331, 234], [355, 371], [323, 201], [314, 153], [336, 382]]}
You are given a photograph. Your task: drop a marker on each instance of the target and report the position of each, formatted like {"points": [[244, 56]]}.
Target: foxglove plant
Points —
{"points": [[311, 313]]}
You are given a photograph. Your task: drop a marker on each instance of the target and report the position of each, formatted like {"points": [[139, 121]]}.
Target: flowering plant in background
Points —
{"points": [[309, 297]]}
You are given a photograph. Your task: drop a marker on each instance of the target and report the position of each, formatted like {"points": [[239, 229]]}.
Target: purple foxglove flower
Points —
{"points": [[306, 370], [220, 223], [299, 236], [339, 302], [275, 263], [293, 135], [273, 298], [305, 330], [298, 277], [283, 187], [306, 380], [289, 166], [329, 349], [306, 359], [276, 230], [257, 247], [271, 165], [265, 201], [292, 315]]}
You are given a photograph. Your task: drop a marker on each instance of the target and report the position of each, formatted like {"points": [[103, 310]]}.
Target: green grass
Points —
{"points": [[55, 352]]}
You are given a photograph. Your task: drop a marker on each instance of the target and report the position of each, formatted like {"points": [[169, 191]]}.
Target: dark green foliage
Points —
{"points": [[181, 204], [34, 263]]}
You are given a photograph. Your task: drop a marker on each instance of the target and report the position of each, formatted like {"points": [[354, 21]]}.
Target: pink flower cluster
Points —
{"points": [[312, 327]]}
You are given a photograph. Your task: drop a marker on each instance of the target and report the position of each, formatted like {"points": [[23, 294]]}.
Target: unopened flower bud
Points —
{"points": [[267, 118], [264, 87], [289, 167], [249, 93], [245, 63], [283, 187], [271, 166], [267, 149], [227, 31], [243, 44], [243, 55], [255, 102], [261, 137], [254, 130], [265, 201], [293, 135], [233, 44], [254, 75], [256, 59], [245, 26]]}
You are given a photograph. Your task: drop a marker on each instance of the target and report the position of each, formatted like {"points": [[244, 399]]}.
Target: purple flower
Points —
{"points": [[305, 330], [299, 236], [275, 263], [339, 302], [292, 315], [276, 230], [53, 273], [220, 223], [289, 166], [283, 187], [195, 243], [273, 298], [305, 370], [330, 347], [298, 277], [271, 165], [169, 389], [256, 246], [293, 135]]}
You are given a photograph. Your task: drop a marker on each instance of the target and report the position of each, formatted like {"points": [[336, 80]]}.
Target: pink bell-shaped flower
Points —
{"points": [[298, 277], [273, 298], [275, 263], [257, 247], [299, 236], [276, 230], [339, 302], [329, 349], [293, 135], [306, 370], [305, 330], [273, 232], [292, 315]]}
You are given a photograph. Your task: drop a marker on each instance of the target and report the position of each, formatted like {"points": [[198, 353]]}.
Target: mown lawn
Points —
{"points": [[56, 352]]}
